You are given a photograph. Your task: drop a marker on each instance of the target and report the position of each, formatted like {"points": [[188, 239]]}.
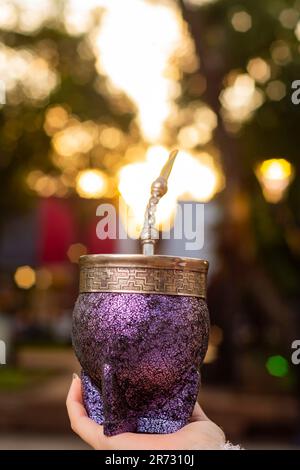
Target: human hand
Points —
{"points": [[199, 434]]}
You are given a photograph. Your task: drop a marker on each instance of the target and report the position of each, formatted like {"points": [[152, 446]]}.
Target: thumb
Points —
{"points": [[198, 414]]}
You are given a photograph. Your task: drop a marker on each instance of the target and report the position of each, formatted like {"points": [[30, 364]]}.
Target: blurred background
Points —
{"points": [[93, 95]]}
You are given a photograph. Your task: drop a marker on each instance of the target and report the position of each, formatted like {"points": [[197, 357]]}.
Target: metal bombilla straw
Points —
{"points": [[159, 188]]}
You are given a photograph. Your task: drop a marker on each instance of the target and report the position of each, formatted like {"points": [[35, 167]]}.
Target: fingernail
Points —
{"points": [[75, 376]]}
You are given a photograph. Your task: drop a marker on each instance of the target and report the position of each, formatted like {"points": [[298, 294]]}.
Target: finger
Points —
{"points": [[201, 431], [202, 419], [75, 392], [81, 424], [211, 433], [198, 414], [203, 435], [93, 434]]}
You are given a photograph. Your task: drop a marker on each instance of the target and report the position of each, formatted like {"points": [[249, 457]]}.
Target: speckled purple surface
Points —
{"points": [[140, 355]]}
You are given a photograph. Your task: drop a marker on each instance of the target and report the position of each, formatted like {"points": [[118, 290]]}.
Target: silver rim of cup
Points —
{"points": [[168, 275]]}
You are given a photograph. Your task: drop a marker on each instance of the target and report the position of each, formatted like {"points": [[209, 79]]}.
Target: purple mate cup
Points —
{"points": [[140, 332]]}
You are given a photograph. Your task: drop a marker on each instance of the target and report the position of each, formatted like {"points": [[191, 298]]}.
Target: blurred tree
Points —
{"points": [[24, 143]]}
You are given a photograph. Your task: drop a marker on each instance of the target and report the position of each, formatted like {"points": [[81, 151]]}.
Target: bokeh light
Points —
{"points": [[111, 137], [56, 118], [27, 16], [78, 15], [26, 75], [240, 99], [277, 366], [289, 18], [281, 52], [44, 278], [259, 70], [76, 138], [91, 184], [202, 121], [25, 277], [276, 90], [75, 251], [46, 185], [275, 176], [241, 21]]}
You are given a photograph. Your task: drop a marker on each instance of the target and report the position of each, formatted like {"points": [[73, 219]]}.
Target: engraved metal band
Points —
{"points": [[145, 275]]}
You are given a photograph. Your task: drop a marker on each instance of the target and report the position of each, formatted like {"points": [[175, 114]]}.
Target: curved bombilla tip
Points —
{"points": [[166, 170]]}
